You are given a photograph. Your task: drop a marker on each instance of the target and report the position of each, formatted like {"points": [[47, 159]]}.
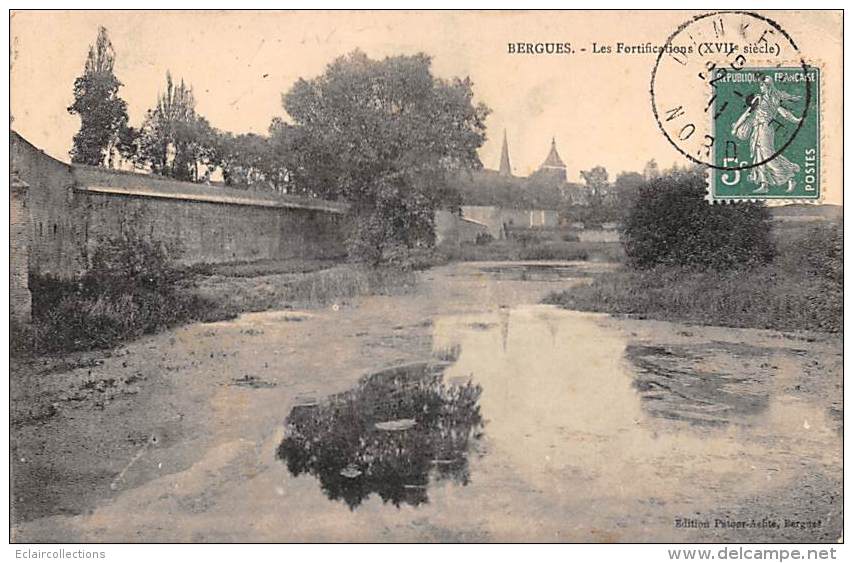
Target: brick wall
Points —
{"points": [[209, 232], [68, 209], [20, 300], [54, 223]]}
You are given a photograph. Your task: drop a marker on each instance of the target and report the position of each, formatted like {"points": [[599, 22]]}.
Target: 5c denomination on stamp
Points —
{"points": [[769, 147], [744, 103]]}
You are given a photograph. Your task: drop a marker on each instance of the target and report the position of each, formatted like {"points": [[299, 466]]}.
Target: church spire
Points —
{"points": [[505, 169], [553, 159], [554, 165]]}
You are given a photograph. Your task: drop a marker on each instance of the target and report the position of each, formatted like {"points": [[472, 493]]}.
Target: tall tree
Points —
{"points": [[597, 186], [103, 114], [384, 135], [247, 160], [627, 181], [626, 188], [174, 140], [596, 180]]}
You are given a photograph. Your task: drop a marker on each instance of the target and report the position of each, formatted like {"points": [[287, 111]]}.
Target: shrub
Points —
{"points": [[763, 297], [378, 236], [524, 237], [130, 290], [130, 264], [670, 223], [411, 259], [822, 252]]}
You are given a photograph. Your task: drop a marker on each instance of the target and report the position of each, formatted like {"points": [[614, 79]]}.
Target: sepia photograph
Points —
{"points": [[413, 276]]}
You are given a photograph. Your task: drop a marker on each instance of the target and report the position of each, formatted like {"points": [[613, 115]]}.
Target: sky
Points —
{"points": [[240, 63]]}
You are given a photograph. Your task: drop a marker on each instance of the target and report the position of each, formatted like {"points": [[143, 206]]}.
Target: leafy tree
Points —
{"points": [[624, 193], [672, 224], [598, 208], [384, 135], [128, 143], [103, 114], [282, 157], [628, 181], [243, 159], [174, 140], [487, 187], [596, 181]]}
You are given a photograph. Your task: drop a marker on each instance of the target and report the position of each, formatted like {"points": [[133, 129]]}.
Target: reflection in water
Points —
{"points": [[673, 386], [394, 433]]}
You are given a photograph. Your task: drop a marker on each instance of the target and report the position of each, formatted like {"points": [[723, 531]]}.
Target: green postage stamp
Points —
{"points": [[766, 125]]}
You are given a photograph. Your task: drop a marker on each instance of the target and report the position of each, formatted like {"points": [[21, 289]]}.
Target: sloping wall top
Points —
{"points": [[95, 179]]}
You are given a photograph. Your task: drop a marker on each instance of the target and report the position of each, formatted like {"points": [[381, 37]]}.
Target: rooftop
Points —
{"points": [[553, 160]]}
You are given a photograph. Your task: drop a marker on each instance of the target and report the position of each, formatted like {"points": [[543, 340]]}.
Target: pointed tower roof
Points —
{"points": [[553, 160], [505, 169]]}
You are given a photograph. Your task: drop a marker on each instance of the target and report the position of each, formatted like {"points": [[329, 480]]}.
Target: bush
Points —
{"points": [[408, 259], [378, 236], [802, 289], [822, 252], [130, 290], [670, 223], [524, 237], [764, 297]]}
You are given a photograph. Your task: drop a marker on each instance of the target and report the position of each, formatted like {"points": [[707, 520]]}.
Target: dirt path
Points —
{"points": [[593, 428]]}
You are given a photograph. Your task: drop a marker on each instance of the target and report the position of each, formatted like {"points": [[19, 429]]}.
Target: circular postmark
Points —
{"points": [[731, 91]]}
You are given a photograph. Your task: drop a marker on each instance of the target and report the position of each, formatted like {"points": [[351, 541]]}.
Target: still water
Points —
{"points": [[532, 422], [473, 415]]}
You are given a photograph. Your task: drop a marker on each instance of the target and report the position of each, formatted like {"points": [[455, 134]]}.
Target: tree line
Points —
{"points": [[173, 139], [385, 135]]}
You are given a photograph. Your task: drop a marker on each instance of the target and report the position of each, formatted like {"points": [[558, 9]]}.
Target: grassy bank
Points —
{"points": [[262, 267], [68, 319], [514, 250], [71, 316], [800, 290], [132, 290], [238, 294]]}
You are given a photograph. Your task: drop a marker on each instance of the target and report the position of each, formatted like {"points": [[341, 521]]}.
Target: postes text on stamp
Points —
{"points": [[769, 146]]}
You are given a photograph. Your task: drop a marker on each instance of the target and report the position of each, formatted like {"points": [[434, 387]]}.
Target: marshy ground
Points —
{"points": [[575, 426]]}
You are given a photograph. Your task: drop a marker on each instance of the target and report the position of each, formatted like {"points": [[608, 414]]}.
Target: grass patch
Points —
{"points": [[260, 268], [70, 319], [800, 290], [130, 290], [314, 289], [514, 250]]}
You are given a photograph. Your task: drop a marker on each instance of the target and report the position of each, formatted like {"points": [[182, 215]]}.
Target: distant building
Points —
{"points": [[496, 200], [554, 165], [505, 168]]}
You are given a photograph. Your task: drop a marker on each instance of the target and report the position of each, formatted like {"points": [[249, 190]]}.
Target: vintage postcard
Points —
{"points": [[426, 276]]}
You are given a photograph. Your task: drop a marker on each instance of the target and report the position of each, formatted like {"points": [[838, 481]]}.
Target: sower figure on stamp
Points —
{"points": [[756, 125]]}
